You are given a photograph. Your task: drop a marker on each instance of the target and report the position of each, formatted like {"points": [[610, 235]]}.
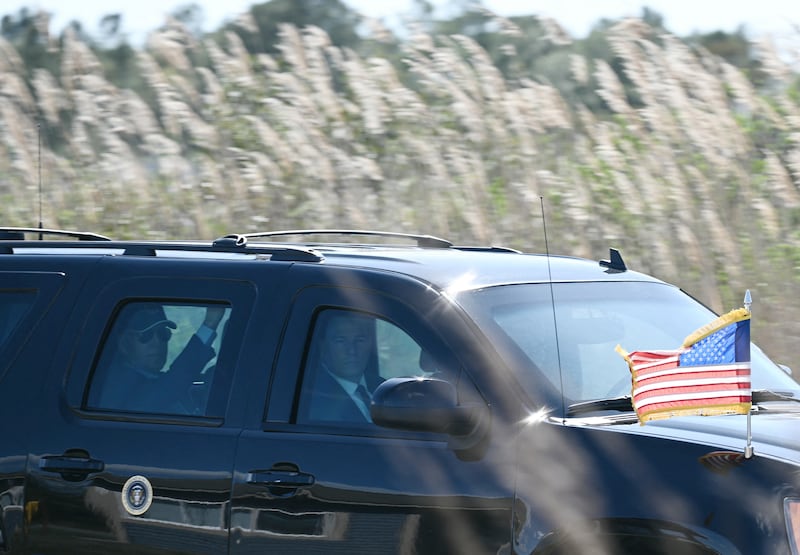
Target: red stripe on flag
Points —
{"points": [[707, 388]]}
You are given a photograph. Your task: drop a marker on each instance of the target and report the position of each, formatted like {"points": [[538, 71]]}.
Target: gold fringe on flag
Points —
{"points": [[727, 319]]}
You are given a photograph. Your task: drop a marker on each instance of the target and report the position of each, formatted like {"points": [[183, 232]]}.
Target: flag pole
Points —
{"points": [[748, 449]]}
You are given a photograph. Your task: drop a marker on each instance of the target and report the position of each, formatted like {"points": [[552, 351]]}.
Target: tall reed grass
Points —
{"points": [[697, 182]]}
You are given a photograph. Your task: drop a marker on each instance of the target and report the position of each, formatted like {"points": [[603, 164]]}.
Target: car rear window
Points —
{"points": [[14, 305]]}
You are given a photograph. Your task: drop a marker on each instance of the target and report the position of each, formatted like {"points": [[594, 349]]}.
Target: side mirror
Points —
{"points": [[426, 405], [786, 369]]}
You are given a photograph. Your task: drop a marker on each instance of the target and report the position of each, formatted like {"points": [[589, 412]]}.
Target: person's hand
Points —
{"points": [[214, 314]]}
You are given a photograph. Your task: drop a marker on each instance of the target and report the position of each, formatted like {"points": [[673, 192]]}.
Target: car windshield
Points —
{"points": [[566, 337]]}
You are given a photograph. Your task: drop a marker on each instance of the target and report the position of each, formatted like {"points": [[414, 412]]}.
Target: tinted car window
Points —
{"points": [[25, 298], [571, 337], [159, 358], [13, 307], [350, 354]]}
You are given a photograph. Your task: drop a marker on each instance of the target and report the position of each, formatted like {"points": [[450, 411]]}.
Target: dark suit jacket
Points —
{"points": [[122, 387], [330, 402]]}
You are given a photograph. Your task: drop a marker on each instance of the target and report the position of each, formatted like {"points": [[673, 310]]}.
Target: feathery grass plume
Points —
{"points": [[767, 217], [485, 78], [454, 69], [740, 88], [317, 46], [240, 57], [519, 115], [138, 116], [13, 87], [77, 61], [246, 21], [373, 110], [720, 234], [185, 88], [120, 167], [703, 83], [19, 136], [468, 168], [793, 160], [546, 104], [81, 144], [554, 32], [306, 144], [291, 47], [169, 44], [506, 26], [212, 93], [629, 195], [151, 71], [782, 76], [429, 176], [575, 203], [294, 91], [404, 103], [690, 248], [377, 31], [771, 63], [177, 116], [611, 90], [10, 60], [579, 68], [419, 40], [779, 183], [50, 99], [165, 155], [646, 180], [641, 70], [41, 22], [232, 71], [199, 133], [282, 154]]}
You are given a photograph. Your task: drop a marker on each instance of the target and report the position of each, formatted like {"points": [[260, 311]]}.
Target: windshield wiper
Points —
{"points": [[765, 395], [620, 404]]}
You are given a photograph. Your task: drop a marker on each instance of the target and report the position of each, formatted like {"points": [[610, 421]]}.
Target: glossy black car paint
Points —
{"points": [[254, 481]]}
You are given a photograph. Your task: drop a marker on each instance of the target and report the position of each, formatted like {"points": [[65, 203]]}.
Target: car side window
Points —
{"points": [[350, 354], [160, 358], [13, 307]]}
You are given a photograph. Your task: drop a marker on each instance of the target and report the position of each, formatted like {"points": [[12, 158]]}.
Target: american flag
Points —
{"points": [[708, 375]]}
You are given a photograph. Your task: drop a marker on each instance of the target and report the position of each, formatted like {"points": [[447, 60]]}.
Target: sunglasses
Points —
{"points": [[162, 333]]}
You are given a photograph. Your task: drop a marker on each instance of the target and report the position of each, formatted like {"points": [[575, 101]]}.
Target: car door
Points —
{"points": [[308, 484], [107, 478], [25, 299]]}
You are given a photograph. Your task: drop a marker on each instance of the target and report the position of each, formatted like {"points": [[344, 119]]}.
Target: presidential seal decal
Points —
{"points": [[137, 495]]}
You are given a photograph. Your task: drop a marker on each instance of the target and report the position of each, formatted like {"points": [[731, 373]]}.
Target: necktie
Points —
{"points": [[363, 394]]}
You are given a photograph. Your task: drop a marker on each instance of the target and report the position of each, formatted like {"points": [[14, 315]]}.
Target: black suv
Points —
{"points": [[395, 395]]}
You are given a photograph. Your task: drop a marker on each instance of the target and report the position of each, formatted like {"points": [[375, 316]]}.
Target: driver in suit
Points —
{"points": [[346, 371]]}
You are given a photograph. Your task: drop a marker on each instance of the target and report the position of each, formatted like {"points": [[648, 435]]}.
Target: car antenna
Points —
{"points": [[615, 263], [39, 138], [553, 305]]}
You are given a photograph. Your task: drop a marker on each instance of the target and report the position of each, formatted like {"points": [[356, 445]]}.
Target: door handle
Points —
{"points": [[71, 467], [280, 478]]}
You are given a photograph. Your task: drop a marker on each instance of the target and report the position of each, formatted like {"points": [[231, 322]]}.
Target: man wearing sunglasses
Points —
{"points": [[135, 378]]}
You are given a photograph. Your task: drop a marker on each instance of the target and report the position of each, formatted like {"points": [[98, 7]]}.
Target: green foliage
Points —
{"points": [[333, 16], [26, 33]]}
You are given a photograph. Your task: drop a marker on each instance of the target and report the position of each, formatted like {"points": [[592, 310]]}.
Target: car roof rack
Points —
{"points": [[423, 241], [493, 248], [18, 234], [106, 246]]}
